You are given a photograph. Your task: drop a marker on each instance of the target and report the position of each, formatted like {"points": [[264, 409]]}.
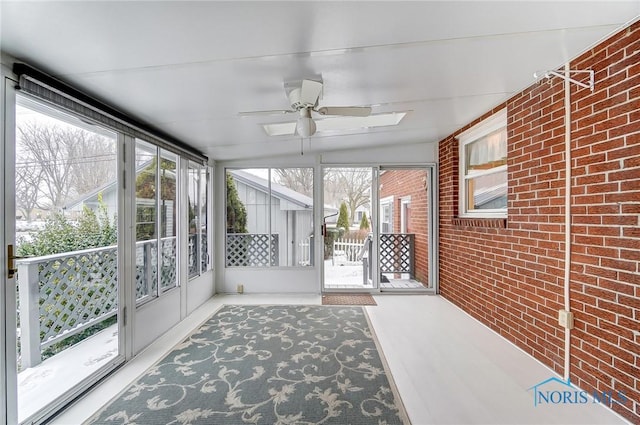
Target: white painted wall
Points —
{"points": [[270, 280], [199, 290], [155, 318], [387, 155]]}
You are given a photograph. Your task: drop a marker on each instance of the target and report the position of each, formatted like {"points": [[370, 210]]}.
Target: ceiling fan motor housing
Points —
{"points": [[304, 100], [296, 101]]}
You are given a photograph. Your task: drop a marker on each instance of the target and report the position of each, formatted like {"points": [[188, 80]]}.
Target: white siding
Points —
{"points": [[290, 221]]}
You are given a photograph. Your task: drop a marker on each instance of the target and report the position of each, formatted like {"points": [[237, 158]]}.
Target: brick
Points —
{"points": [[611, 100], [617, 309], [633, 278], [622, 197], [632, 162], [513, 276], [603, 188], [607, 145], [604, 230], [604, 166], [632, 127], [632, 302], [625, 108], [616, 286]]}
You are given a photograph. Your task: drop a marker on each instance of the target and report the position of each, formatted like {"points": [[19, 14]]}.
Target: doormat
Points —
{"points": [[348, 299]]}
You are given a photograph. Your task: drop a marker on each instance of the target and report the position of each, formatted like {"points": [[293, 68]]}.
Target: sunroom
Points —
{"points": [[470, 167]]}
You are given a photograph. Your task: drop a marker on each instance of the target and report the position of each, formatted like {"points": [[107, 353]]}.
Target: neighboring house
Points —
{"points": [[291, 213], [403, 209], [107, 196], [108, 192], [357, 217]]}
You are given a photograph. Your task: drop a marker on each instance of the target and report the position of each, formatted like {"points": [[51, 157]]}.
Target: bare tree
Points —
{"points": [[349, 185], [45, 148], [28, 179], [70, 160], [298, 179], [94, 161], [333, 193], [355, 184]]}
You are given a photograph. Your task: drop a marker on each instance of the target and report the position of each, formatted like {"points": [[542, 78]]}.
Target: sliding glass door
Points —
{"points": [[65, 274], [8, 404], [379, 229], [80, 295], [404, 248], [348, 249]]}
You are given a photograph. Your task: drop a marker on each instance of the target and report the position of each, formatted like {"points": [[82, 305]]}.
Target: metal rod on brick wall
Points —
{"points": [[567, 217]]}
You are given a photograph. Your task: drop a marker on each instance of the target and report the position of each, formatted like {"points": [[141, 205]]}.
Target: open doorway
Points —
{"points": [[382, 239], [405, 217], [347, 229]]}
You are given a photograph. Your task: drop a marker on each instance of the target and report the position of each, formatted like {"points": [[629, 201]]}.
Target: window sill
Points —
{"points": [[491, 223]]}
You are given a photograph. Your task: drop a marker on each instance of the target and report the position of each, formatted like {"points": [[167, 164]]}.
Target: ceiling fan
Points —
{"points": [[304, 101]]}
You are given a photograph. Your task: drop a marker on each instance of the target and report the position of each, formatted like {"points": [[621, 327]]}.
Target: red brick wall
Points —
{"points": [[510, 275], [403, 183]]}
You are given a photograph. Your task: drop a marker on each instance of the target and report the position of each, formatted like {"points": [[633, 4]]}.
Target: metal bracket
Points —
{"points": [[551, 73]]}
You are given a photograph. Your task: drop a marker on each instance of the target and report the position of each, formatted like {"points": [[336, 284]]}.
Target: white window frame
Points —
{"points": [[496, 122], [384, 202], [201, 211], [270, 217]]}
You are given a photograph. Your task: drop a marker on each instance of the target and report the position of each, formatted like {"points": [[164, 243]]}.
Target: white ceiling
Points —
{"points": [[188, 68]]}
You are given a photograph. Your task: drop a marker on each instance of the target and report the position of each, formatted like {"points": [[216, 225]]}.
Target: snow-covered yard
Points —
{"points": [[340, 276], [351, 276]]}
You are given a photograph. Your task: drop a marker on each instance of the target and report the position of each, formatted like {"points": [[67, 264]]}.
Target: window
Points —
{"points": [[483, 168], [168, 220], [156, 224], [199, 259], [386, 215], [269, 215]]}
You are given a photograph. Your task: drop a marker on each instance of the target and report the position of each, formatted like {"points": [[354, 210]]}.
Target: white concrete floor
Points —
{"points": [[449, 368]]}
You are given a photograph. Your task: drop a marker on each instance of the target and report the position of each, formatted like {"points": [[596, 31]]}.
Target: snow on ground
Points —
{"points": [[351, 275]]}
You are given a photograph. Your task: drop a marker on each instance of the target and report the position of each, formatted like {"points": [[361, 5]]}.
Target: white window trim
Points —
{"points": [[489, 125], [406, 200], [388, 200]]}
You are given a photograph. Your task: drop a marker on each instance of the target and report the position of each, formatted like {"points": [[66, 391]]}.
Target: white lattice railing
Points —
{"points": [[61, 295], [397, 253], [252, 250], [197, 244]]}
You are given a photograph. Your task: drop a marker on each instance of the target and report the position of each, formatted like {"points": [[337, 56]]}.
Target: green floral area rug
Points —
{"points": [[267, 365]]}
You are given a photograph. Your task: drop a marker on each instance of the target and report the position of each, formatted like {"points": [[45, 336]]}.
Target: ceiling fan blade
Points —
{"points": [[273, 112], [310, 92], [349, 111]]}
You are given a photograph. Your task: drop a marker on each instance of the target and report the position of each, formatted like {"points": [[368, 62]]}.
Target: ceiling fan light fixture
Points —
{"points": [[305, 126]]}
